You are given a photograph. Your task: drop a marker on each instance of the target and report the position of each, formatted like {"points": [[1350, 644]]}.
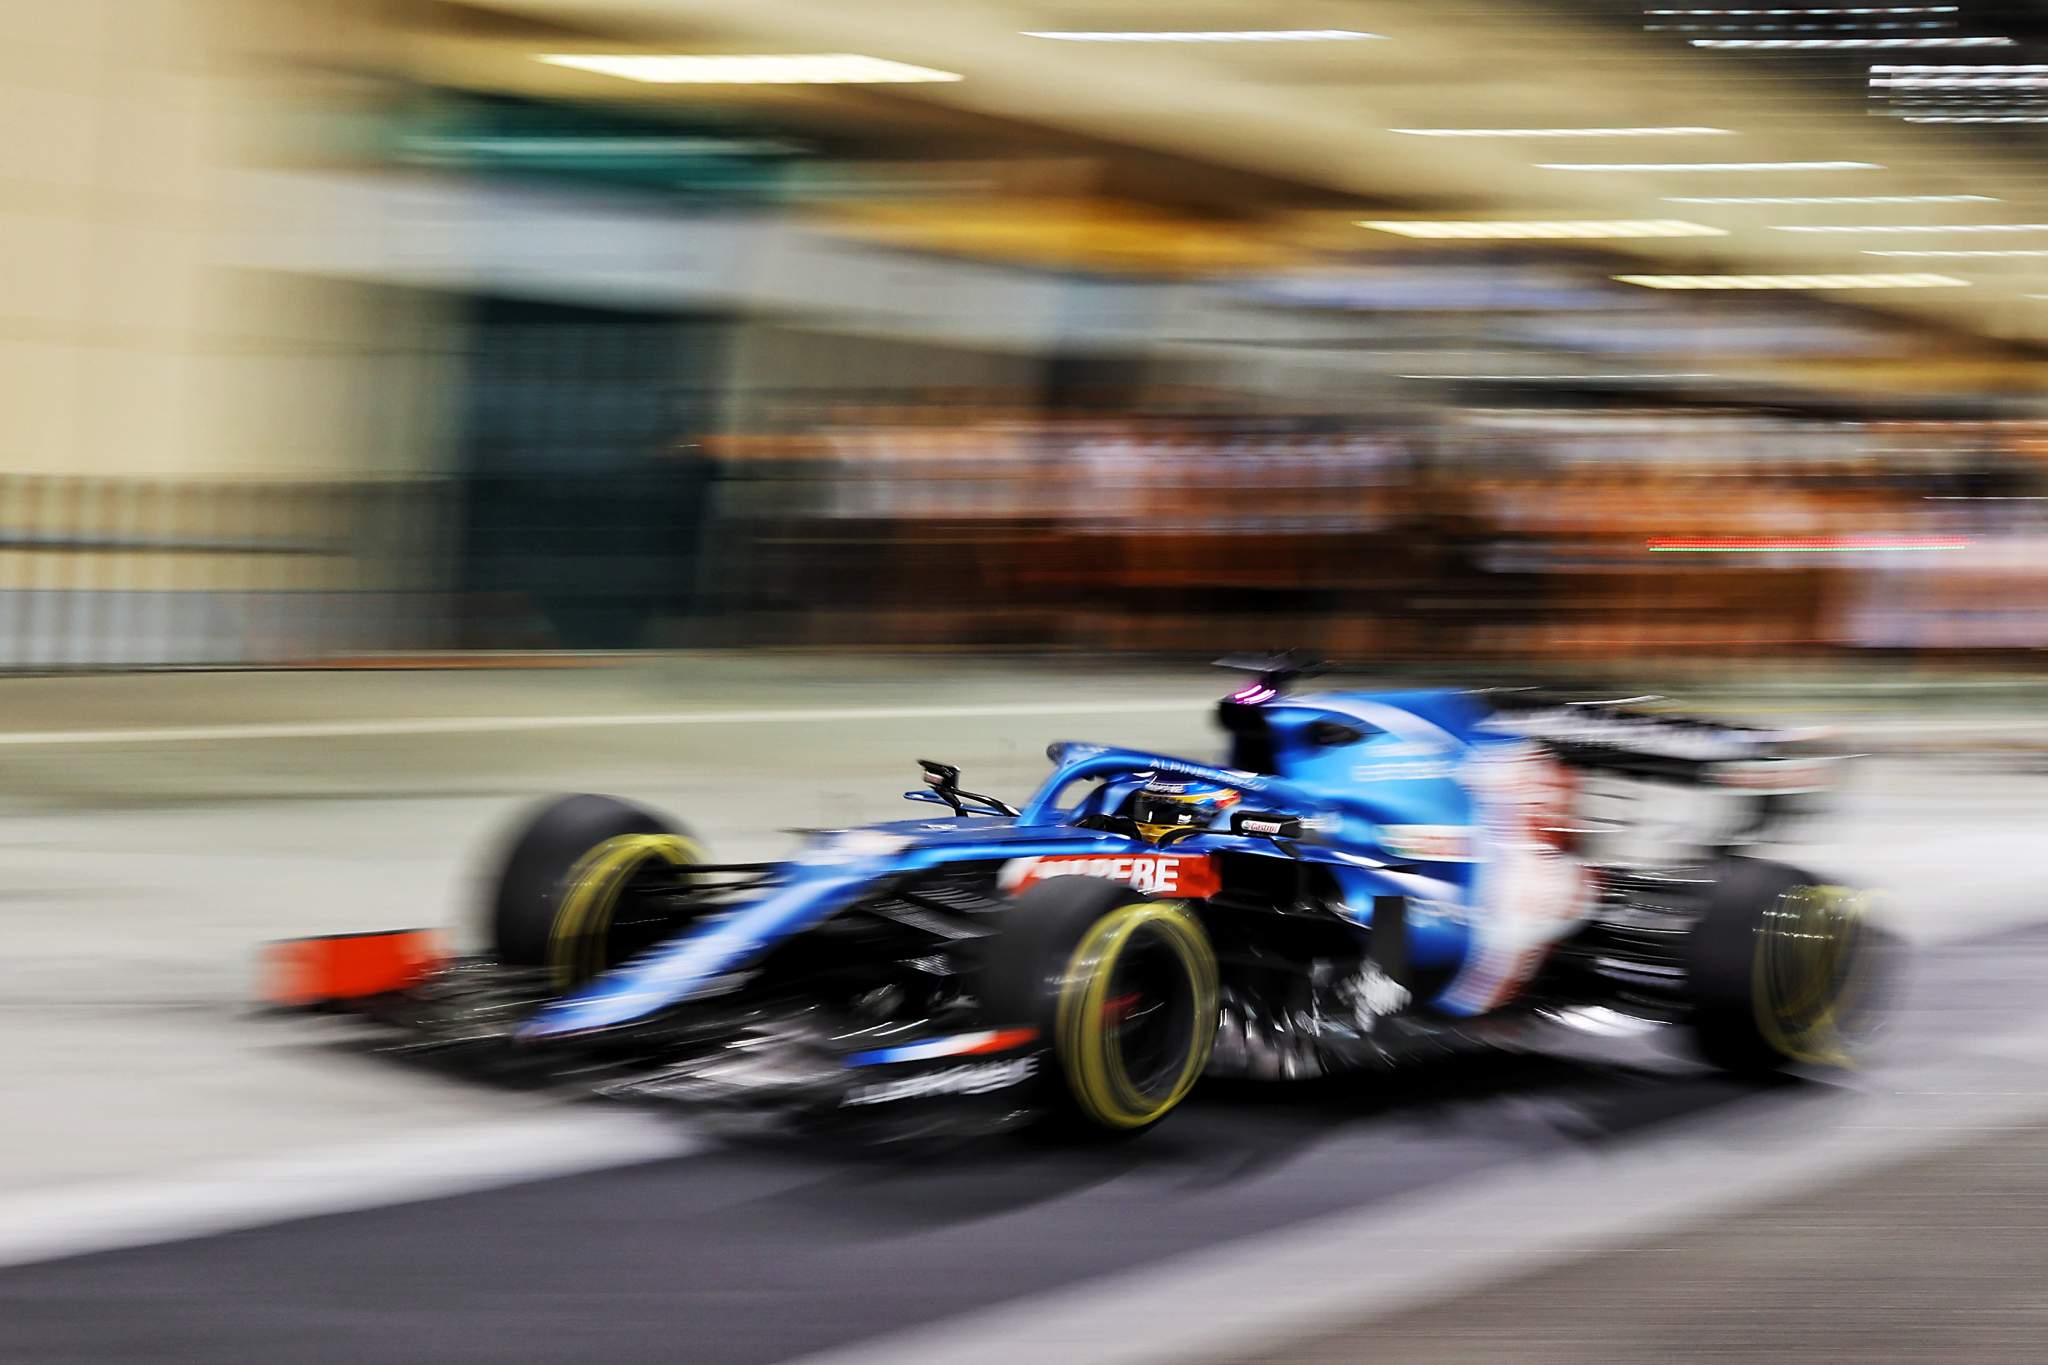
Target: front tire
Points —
{"points": [[1778, 968], [563, 894], [1122, 990]]}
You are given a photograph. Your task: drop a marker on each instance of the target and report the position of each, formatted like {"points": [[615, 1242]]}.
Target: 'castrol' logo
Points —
{"points": [[1156, 874]]}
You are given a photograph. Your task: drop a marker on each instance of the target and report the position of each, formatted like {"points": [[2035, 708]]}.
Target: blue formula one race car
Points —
{"points": [[1365, 877]]}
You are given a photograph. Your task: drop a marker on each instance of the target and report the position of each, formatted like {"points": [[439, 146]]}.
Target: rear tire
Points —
{"points": [[1122, 991], [556, 897], [1777, 968]]}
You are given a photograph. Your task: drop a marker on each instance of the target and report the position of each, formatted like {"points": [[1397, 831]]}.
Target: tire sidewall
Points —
{"points": [[525, 895], [1025, 982], [1722, 957]]}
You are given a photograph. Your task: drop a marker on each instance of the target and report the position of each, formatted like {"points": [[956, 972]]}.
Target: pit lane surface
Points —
{"points": [[757, 1253]]}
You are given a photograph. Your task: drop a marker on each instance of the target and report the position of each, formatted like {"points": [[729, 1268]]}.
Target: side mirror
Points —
{"points": [[944, 780]]}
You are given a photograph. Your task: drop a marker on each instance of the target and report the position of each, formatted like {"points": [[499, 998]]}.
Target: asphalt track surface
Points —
{"points": [[757, 1252], [740, 1256]]}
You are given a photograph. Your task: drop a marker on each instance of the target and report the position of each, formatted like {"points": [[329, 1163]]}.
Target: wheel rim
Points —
{"points": [[584, 928], [1808, 973], [1137, 1013]]}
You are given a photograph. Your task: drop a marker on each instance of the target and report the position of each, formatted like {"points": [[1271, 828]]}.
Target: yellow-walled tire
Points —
{"points": [[1122, 991], [1781, 969], [557, 897]]}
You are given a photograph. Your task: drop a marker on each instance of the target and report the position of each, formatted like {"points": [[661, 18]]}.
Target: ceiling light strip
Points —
{"points": [[1269, 35], [1833, 199], [1715, 166], [1803, 12], [1563, 132], [1580, 229], [1566, 378], [1814, 44], [803, 68], [1809, 282], [1915, 227], [2032, 78]]}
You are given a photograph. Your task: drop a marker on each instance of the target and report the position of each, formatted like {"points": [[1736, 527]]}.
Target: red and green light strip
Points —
{"points": [[1800, 545]]}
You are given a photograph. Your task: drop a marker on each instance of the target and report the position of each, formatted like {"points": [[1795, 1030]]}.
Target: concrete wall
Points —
{"points": [[128, 345]]}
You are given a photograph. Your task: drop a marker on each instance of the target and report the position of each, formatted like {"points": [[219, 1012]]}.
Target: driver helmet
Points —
{"points": [[1164, 810]]}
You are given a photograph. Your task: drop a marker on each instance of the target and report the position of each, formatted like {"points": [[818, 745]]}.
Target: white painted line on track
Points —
{"points": [[467, 725], [1257, 1294], [103, 1216], [794, 715], [1985, 725]]}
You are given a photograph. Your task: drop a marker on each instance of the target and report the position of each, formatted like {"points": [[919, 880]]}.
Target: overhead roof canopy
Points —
{"points": [[1303, 131]]}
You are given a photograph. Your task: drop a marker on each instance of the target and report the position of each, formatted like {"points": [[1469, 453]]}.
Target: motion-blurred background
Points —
{"points": [[1036, 351], [1522, 331]]}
